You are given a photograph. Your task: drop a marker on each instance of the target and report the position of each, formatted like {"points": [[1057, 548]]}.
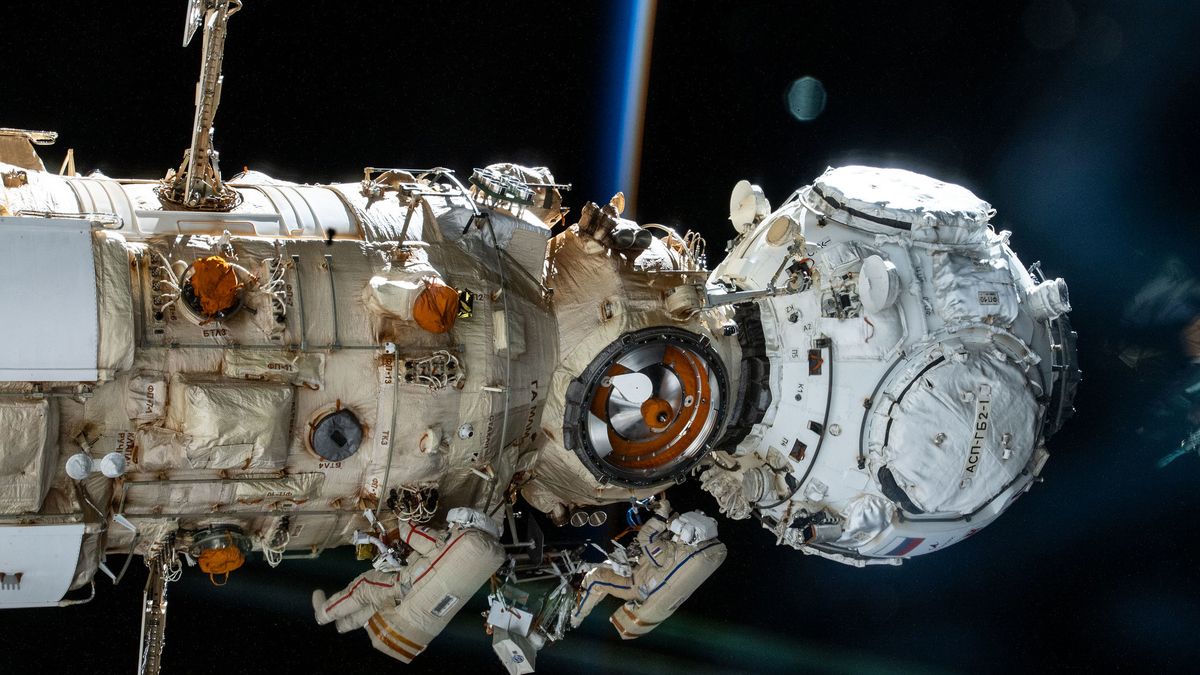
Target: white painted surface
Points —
{"points": [[50, 330], [45, 555], [907, 345]]}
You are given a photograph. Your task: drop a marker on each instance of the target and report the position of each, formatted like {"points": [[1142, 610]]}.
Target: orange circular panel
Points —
{"points": [[656, 413], [645, 434]]}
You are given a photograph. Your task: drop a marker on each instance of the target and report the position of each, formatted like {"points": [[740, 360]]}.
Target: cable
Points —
{"points": [[273, 552], [174, 569]]}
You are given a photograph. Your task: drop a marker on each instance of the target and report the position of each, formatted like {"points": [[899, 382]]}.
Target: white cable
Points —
{"points": [[273, 554], [174, 570], [167, 267]]}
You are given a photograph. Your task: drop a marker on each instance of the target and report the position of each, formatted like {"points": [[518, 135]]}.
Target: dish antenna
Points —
{"points": [[747, 206]]}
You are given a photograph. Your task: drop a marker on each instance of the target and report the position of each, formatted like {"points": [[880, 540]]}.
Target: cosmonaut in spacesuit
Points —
{"points": [[376, 588], [674, 554], [404, 605]]}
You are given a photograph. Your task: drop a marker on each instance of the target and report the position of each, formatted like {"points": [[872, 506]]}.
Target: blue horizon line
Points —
{"points": [[623, 115]]}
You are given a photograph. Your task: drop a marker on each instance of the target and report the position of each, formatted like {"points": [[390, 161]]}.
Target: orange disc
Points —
{"points": [[656, 413]]}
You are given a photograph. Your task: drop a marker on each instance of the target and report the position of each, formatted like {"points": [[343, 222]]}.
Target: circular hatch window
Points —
{"points": [[645, 410], [335, 436]]}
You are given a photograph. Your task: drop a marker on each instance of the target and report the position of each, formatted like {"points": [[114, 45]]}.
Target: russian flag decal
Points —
{"points": [[905, 546]]}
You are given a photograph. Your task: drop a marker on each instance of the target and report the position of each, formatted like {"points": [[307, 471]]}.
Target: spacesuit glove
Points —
{"points": [[726, 487]]}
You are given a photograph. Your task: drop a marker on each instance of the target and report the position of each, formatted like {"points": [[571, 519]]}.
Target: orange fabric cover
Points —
{"points": [[437, 307], [215, 283], [221, 560]]}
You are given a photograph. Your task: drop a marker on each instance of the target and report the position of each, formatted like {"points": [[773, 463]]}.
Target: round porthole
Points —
{"points": [[647, 408], [335, 436]]}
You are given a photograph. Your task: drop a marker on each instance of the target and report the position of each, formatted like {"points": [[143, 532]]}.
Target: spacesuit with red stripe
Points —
{"points": [[374, 590]]}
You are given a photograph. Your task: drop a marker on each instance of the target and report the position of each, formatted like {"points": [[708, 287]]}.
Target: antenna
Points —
{"points": [[197, 183], [195, 17], [747, 206]]}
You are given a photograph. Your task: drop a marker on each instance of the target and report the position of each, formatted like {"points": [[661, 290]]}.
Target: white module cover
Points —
{"points": [[229, 425], [914, 368], [44, 556], [48, 291], [963, 432], [933, 211], [28, 450]]}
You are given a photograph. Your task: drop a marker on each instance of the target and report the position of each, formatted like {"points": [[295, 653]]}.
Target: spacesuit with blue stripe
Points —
{"points": [[668, 568]]}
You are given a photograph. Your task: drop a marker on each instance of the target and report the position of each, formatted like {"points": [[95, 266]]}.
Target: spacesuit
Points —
{"points": [[674, 556], [405, 607], [378, 589]]}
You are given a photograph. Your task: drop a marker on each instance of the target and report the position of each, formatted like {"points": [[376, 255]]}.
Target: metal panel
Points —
{"points": [[98, 200], [48, 301], [200, 222], [45, 556], [287, 214], [119, 203]]}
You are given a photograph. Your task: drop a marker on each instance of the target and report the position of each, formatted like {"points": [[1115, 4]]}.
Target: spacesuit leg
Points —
{"points": [[356, 619], [597, 584], [369, 591]]}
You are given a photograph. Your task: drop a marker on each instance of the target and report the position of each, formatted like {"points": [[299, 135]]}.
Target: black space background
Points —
{"points": [[1078, 124]]}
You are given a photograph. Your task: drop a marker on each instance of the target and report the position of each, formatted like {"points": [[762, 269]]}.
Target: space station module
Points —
{"points": [[193, 370]]}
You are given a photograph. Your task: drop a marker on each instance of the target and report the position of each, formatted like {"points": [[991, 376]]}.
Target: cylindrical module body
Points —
{"points": [[363, 342], [645, 378]]}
